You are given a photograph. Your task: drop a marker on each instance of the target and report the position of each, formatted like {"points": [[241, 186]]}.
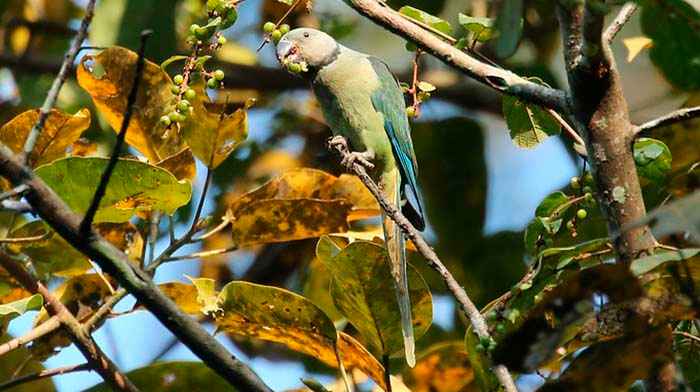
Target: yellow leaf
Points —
{"points": [[443, 367], [59, 132], [181, 165], [206, 294], [184, 295], [635, 45], [213, 135], [125, 236], [108, 77]]}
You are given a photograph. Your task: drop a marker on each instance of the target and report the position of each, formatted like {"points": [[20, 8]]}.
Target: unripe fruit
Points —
{"points": [[183, 105], [588, 178], [194, 27], [276, 36], [165, 120], [221, 40], [284, 29], [589, 197], [269, 27], [174, 116], [174, 89], [587, 189], [190, 94], [581, 213], [500, 328], [212, 83], [575, 183], [294, 68], [213, 4], [570, 225], [219, 75], [410, 111], [178, 79], [229, 15]]}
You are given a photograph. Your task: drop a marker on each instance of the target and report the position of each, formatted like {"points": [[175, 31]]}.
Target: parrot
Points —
{"points": [[363, 104]]}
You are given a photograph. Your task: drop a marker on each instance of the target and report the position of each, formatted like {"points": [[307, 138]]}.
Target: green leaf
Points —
{"points": [[550, 204], [426, 18], [134, 187], [426, 87], [206, 294], [653, 159], [171, 60], [509, 27], [174, 376], [52, 254], [674, 26], [648, 263], [529, 124], [13, 309], [287, 2], [688, 356], [18, 363], [363, 290], [481, 28]]}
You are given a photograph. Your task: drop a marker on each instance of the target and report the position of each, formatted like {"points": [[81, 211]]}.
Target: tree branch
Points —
{"points": [[51, 97], [622, 17], [114, 262], [48, 326], [98, 360], [86, 224], [44, 374], [470, 310], [499, 79], [677, 116], [601, 114]]}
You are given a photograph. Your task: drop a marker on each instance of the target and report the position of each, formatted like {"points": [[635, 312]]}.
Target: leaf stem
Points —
{"points": [[44, 374]]}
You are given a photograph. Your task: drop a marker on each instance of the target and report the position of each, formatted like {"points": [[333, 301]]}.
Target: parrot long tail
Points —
{"points": [[396, 247]]}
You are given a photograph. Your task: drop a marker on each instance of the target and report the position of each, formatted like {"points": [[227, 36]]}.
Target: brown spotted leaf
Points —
{"points": [[108, 77], [59, 132], [181, 165], [363, 290], [184, 295], [443, 367], [277, 315]]}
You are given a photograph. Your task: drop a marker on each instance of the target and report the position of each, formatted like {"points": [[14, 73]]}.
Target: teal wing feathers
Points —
{"points": [[388, 100]]}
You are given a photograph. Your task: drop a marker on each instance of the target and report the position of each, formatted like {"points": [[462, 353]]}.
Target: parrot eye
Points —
{"points": [[306, 35]]}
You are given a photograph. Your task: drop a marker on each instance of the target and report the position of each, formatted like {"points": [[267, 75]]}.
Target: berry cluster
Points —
{"points": [[204, 39], [275, 33], [582, 186]]}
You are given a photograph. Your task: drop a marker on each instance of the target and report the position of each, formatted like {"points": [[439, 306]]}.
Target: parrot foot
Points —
{"points": [[339, 143], [362, 158]]}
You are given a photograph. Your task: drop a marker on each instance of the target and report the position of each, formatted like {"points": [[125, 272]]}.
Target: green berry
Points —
{"points": [[587, 189], [190, 94], [175, 90], [479, 348], [410, 111], [194, 27], [178, 79], [491, 315], [294, 68], [165, 120], [212, 83], [589, 197], [284, 29], [174, 116], [500, 328], [575, 183], [581, 213], [221, 40], [213, 4], [219, 75], [570, 225], [588, 178], [183, 105], [276, 36], [181, 116], [269, 27]]}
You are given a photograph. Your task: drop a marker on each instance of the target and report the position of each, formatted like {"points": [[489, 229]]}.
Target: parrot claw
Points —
{"points": [[363, 158], [338, 142]]}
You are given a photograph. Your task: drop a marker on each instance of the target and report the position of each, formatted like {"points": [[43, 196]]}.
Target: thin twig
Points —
{"points": [[153, 235], [22, 240], [104, 310], [86, 224], [668, 119], [48, 326], [98, 360], [567, 128], [690, 336], [14, 192], [51, 97], [470, 310], [622, 17], [225, 221], [206, 253], [45, 374]]}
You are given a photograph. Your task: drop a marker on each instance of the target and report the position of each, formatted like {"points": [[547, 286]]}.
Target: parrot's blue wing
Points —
{"points": [[388, 100]]}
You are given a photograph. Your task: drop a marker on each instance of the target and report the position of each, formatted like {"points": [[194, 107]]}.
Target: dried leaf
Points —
{"points": [[181, 165], [635, 46], [108, 77], [59, 132]]}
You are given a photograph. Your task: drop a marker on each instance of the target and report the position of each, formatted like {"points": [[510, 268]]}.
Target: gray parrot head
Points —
{"points": [[308, 47]]}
